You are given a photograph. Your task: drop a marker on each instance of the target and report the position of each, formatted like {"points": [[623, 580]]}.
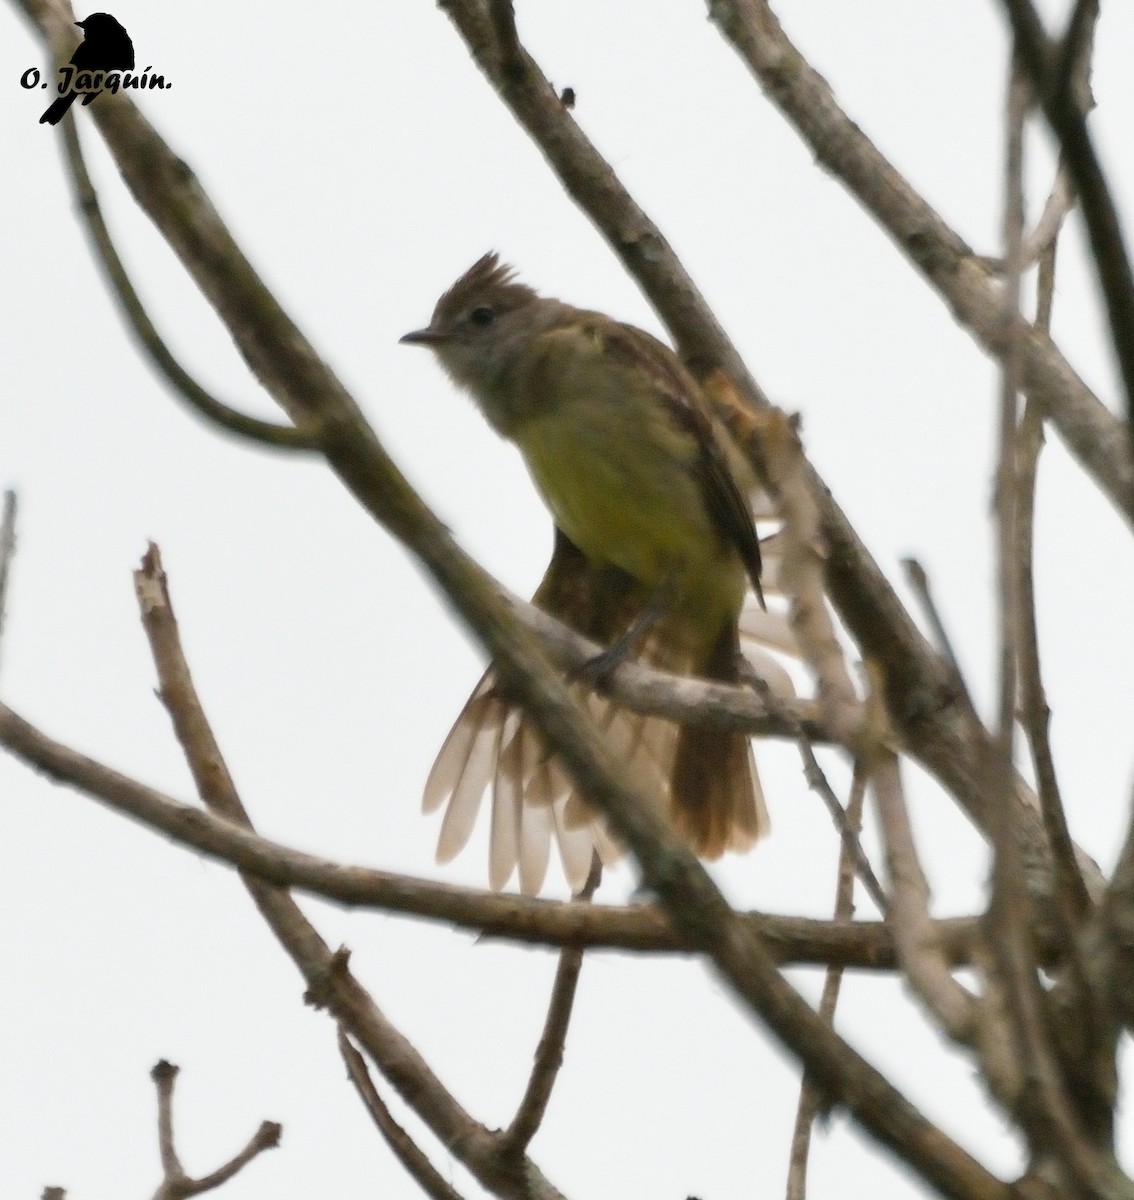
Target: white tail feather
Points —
{"points": [[507, 806], [535, 846], [576, 848], [464, 803]]}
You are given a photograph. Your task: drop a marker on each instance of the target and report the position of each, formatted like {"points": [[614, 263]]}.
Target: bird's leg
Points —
{"points": [[596, 670]]}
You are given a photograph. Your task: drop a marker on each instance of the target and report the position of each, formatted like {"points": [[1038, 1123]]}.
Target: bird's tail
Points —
{"points": [[715, 798], [58, 110], [705, 778], [494, 749]]}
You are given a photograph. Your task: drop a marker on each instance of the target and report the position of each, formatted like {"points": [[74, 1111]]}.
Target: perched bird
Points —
{"points": [[655, 548], [106, 46]]}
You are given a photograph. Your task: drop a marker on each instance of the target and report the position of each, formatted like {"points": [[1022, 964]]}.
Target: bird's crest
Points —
{"points": [[488, 280]]}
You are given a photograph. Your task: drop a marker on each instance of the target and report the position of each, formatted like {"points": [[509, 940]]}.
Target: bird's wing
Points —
{"points": [[679, 391]]}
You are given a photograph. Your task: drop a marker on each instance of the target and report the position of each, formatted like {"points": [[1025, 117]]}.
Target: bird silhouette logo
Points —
{"points": [[105, 47]]}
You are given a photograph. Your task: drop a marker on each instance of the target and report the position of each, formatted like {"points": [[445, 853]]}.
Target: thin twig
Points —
{"points": [[176, 1184], [1045, 284], [267, 1137], [848, 830], [405, 1149], [924, 964], [772, 442], [7, 553], [1053, 75], [266, 433], [164, 1076], [918, 579], [1035, 713], [1011, 373], [1059, 205], [1087, 1032], [1010, 907], [1045, 1111], [811, 1098], [1113, 930], [549, 1052]]}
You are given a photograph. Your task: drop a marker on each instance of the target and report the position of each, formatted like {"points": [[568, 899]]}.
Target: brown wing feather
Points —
{"points": [[727, 508]]}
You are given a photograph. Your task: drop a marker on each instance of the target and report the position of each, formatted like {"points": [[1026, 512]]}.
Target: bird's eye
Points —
{"points": [[482, 316]]}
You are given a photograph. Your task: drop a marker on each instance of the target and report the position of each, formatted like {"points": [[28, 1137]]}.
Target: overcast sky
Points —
{"points": [[363, 163]]}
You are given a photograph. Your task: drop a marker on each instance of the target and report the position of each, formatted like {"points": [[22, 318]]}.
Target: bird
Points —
{"points": [[655, 547], [106, 46]]}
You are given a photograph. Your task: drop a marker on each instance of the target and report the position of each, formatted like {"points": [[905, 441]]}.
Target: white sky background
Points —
{"points": [[363, 163]]}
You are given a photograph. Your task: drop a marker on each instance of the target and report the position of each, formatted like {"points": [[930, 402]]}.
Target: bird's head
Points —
{"points": [[481, 323], [98, 23]]}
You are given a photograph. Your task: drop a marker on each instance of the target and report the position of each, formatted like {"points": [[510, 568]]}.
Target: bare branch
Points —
{"points": [[1054, 73], [1093, 434], [1114, 928], [677, 697], [164, 1076], [771, 440], [925, 966], [7, 552], [266, 433], [330, 982], [774, 448], [691, 900], [810, 1097], [796, 941], [489, 32], [692, 904], [407, 1152], [175, 1184], [267, 1137], [1060, 203], [503, 16], [1045, 1111], [1009, 909], [918, 579], [1075, 900], [848, 828], [1011, 374], [549, 1052], [1073, 69]]}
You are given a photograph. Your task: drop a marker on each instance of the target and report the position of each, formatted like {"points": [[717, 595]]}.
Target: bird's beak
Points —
{"points": [[81, 24], [424, 337]]}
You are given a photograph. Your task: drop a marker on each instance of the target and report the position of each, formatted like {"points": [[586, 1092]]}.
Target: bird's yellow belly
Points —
{"points": [[627, 501]]}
